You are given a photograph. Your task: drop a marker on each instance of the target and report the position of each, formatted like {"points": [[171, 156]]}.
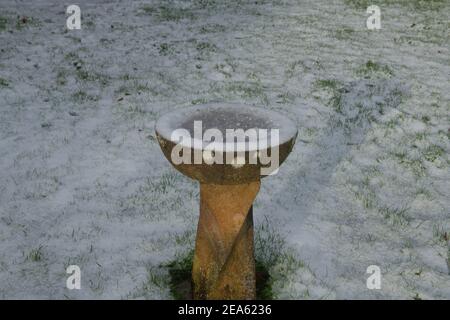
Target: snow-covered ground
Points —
{"points": [[83, 181]]}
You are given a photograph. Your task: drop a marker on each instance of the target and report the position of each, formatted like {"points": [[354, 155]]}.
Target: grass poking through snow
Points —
{"points": [[273, 261]]}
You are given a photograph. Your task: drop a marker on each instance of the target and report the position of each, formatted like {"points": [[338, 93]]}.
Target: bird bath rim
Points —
{"points": [[177, 119]]}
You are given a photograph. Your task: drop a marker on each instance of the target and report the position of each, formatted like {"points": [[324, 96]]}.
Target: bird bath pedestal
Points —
{"points": [[227, 148]]}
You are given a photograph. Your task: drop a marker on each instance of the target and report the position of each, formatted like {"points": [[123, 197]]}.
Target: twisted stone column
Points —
{"points": [[224, 264]]}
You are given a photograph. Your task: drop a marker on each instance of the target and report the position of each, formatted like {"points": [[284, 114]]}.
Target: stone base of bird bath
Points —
{"points": [[224, 263]]}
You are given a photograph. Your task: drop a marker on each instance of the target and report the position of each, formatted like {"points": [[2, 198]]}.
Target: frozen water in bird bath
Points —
{"points": [[226, 116], [223, 119]]}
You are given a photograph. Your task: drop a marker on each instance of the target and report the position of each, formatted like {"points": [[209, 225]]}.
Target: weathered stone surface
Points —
{"points": [[222, 173], [224, 264]]}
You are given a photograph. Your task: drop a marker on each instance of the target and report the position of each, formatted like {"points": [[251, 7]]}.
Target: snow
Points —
{"points": [[83, 180]]}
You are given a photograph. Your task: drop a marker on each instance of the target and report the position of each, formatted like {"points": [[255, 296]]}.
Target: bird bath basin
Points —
{"points": [[228, 148]]}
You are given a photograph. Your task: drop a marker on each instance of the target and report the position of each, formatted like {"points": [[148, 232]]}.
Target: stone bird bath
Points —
{"points": [[229, 169]]}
